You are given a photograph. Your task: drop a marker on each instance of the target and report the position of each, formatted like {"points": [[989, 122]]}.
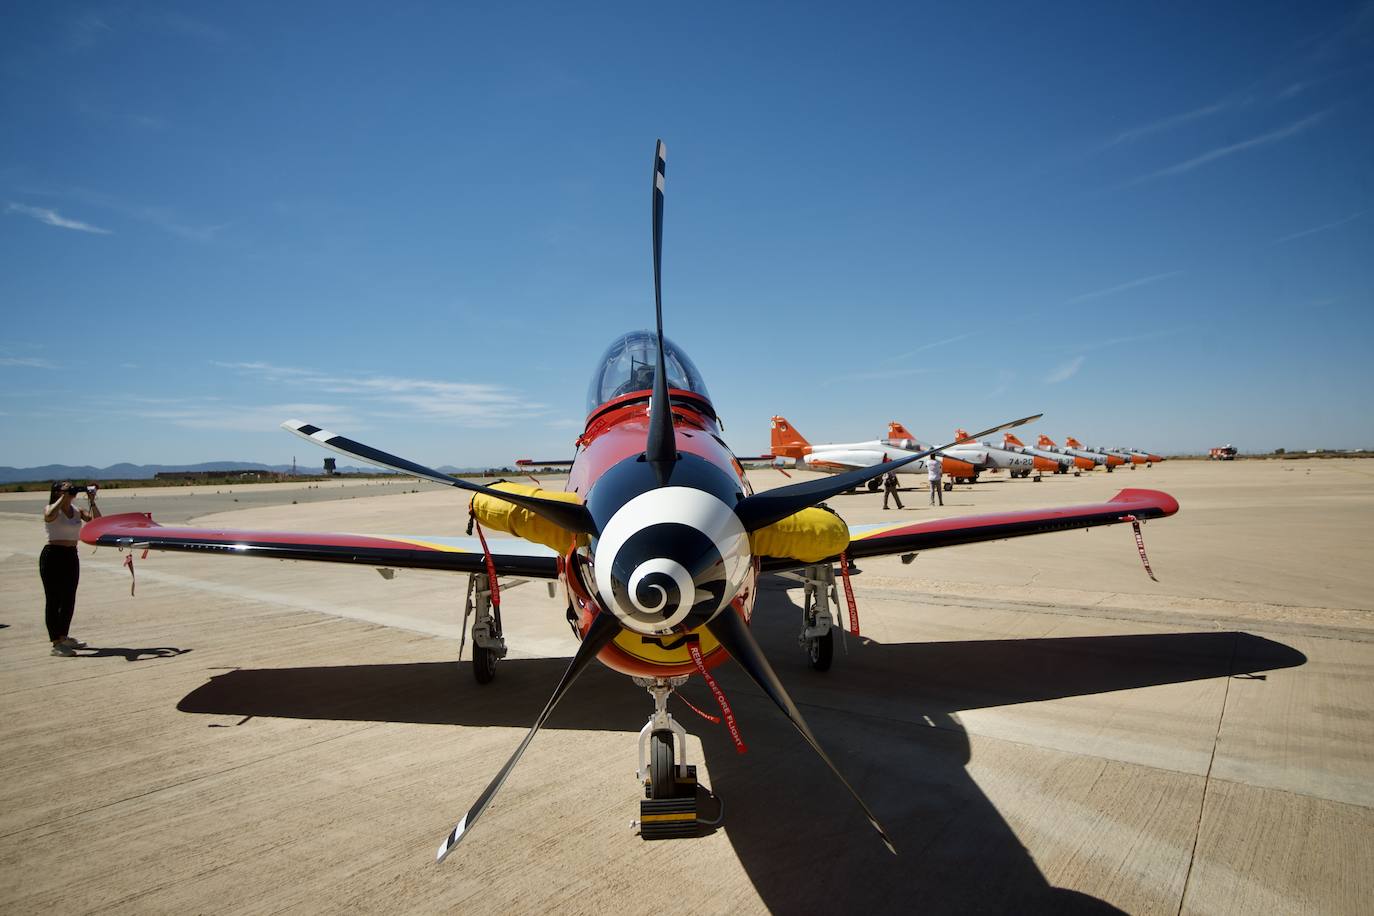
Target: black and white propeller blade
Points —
{"points": [[572, 516], [661, 449], [763, 509], [732, 633], [603, 629]]}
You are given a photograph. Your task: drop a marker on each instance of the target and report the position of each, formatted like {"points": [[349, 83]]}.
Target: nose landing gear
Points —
{"points": [[672, 795]]}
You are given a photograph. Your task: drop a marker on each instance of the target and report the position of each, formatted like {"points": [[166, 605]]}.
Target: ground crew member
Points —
{"points": [[933, 475], [890, 489]]}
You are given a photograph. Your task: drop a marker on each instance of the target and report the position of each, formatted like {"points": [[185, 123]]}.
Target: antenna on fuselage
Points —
{"points": [[661, 449]]}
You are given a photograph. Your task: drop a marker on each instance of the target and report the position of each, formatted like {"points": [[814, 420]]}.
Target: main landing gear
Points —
{"points": [[818, 623], [488, 645], [669, 809]]}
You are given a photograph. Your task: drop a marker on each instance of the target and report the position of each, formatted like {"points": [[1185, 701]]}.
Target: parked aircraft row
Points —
{"points": [[962, 462]]}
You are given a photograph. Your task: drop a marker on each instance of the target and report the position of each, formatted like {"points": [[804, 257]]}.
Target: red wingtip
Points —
{"points": [[1153, 498]]}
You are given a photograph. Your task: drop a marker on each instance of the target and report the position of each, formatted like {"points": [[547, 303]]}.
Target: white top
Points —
{"points": [[63, 528], [933, 468]]}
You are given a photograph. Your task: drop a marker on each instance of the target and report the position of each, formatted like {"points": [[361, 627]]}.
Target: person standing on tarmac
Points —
{"points": [[890, 489], [933, 475], [58, 565]]}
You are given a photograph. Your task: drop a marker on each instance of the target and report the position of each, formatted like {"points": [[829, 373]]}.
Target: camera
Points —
{"points": [[80, 488]]}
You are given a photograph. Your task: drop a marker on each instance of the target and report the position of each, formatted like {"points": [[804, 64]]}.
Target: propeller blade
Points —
{"points": [[603, 629], [732, 633], [661, 448], [763, 509], [572, 516]]}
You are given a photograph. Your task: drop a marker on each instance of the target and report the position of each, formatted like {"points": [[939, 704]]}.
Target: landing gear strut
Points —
{"points": [[669, 807], [488, 645], [818, 623]]}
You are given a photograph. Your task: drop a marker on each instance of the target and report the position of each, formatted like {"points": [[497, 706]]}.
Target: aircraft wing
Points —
{"points": [[511, 556], [912, 537]]}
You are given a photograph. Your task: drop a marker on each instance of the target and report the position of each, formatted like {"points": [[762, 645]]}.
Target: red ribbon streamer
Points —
{"points": [[1140, 544], [491, 565], [695, 651], [129, 562], [714, 720], [849, 595]]}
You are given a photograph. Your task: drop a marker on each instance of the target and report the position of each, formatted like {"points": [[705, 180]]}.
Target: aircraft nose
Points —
{"points": [[670, 559]]}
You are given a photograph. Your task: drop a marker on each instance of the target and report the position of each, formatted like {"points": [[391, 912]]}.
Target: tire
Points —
{"points": [[873, 485], [662, 772], [483, 664], [822, 650]]}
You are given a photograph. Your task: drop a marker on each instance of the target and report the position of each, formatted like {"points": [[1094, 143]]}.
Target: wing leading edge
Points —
{"points": [[511, 556], [879, 540]]}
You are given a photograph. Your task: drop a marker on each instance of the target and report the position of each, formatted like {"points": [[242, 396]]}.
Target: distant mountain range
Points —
{"points": [[125, 471]]}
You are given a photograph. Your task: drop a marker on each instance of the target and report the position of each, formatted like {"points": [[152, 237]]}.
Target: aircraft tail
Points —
{"points": [[1071, 442], [896, 430], [1009, 439], [786, 441], [1046, 442], [962, 435]]}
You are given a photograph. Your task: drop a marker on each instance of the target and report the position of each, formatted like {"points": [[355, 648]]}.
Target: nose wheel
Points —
{"points": [[672, 795]]}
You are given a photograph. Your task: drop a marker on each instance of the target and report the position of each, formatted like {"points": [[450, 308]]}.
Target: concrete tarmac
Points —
{"points": [[1039, 726]]}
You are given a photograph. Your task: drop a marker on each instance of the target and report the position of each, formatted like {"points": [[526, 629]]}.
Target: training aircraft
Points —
{"points": [[1112, 460], [1133, 455], [977, 455], [1097, 458], [1064, 463], [658, 541], [838, 457], [1016, 463]]}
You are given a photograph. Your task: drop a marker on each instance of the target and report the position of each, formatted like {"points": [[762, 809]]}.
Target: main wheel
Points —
{"points": [[822, 650], [873, 485], [662, 772], [483, 664]]}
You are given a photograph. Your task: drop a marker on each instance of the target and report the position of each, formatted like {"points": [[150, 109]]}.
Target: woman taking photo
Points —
{"points": [[58, 565]]}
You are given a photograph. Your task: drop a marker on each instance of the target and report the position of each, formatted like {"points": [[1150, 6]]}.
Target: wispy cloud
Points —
{"points": [[1169, 123], [86, 30], [1116, 341], [27, 362], [53, 218], [469, 403], [248, 418], [929, 346], [1122, 287], [1221, 152], [164, 218], [879, 374], [1065, 371], [1322, 228]]}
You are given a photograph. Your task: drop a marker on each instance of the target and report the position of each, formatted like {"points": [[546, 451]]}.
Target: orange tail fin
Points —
{"points": [[896, 430], [961, 435], [786, 441], [1045, 441], [1073, 443], [1009, 439]]}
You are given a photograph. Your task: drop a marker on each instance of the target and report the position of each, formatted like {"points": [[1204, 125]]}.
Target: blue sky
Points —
{"points": [[421, 224]]}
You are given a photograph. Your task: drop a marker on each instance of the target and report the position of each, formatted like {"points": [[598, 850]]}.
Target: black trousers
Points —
{"points": [[60, 570]]}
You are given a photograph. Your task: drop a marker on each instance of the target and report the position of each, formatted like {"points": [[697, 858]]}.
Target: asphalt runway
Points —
{"points": [[1039, 726]]}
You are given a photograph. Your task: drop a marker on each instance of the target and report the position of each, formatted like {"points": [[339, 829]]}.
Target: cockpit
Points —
{"points": [[628, 364]]}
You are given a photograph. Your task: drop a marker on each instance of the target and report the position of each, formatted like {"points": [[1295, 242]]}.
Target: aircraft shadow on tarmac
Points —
{"points": [[886, 713]]}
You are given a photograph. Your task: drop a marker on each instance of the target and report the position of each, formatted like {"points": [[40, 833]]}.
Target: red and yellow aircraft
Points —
{"points": [[659, 541]]}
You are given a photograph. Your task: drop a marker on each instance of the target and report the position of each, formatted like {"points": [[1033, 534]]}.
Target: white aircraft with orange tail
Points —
{"points": [[1072, 446], [838, 457], [1133, 456], [1016, 462], [1064, 462], [982, 456]]}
